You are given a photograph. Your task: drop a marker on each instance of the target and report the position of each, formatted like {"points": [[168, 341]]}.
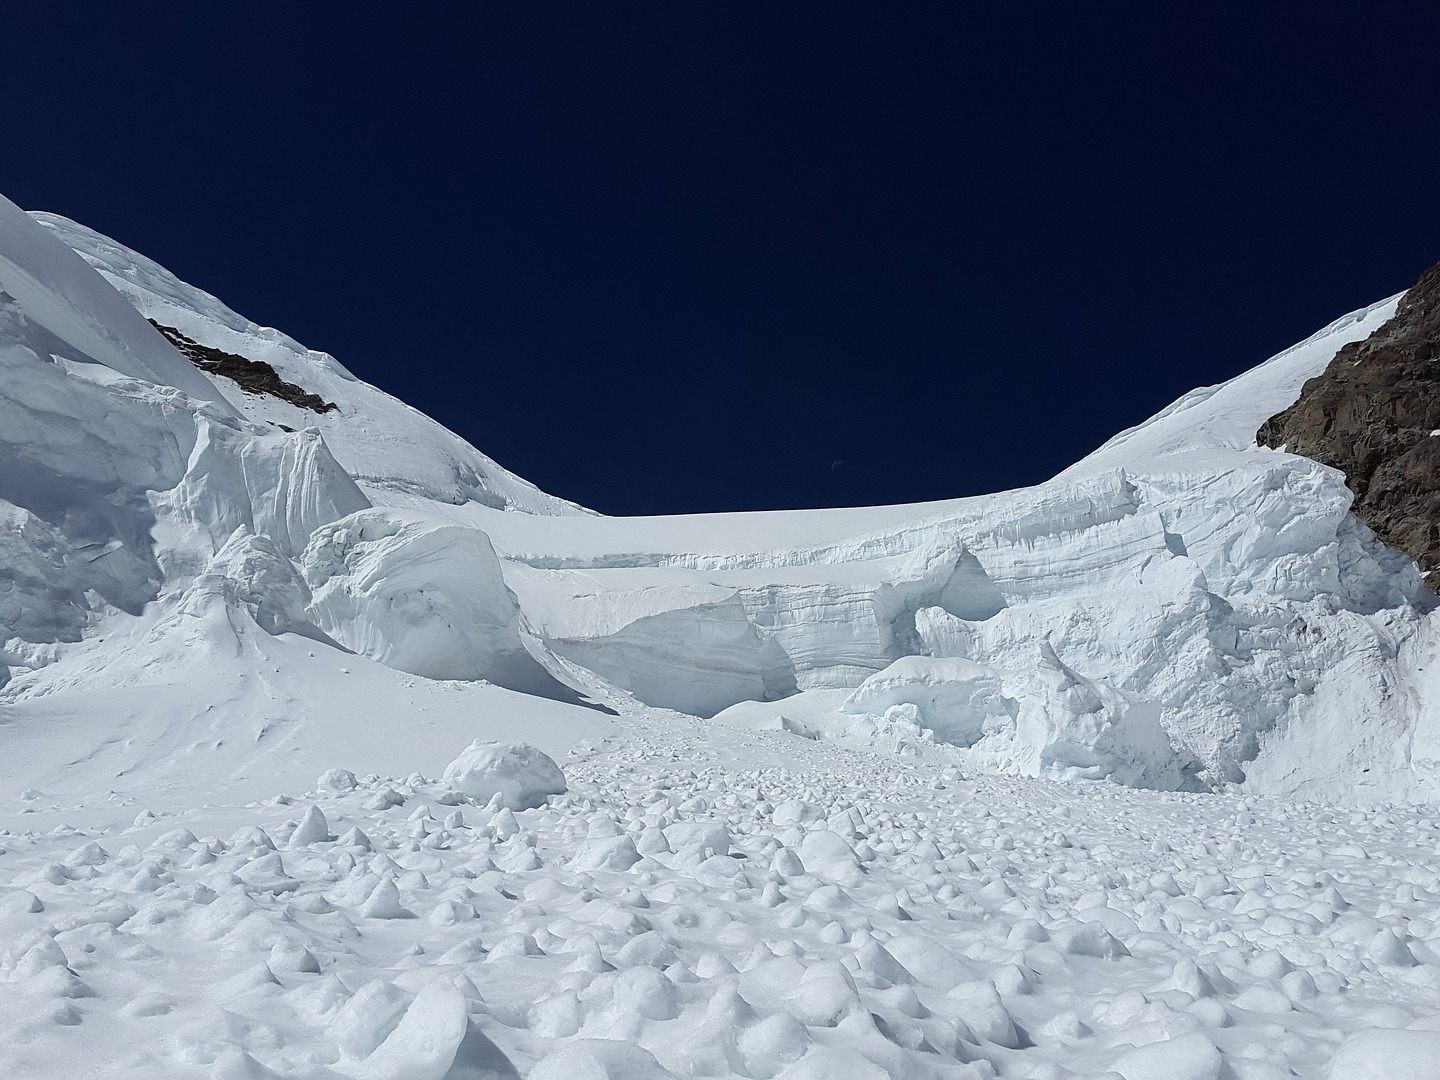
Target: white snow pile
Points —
{"points": [[512, 775], [1057, 722], [745, 795], [1381, 1055], [1052, 722], [957, 699]]}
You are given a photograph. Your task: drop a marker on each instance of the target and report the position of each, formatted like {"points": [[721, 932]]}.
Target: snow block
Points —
{"points": [[599, 1059], [1381, 1054], [1189, 1057], [959, 700], [522, 776], [421, 595]]}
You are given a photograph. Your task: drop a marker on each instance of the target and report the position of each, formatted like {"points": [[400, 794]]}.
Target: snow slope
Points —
{"points": [[386, 445], [51, 299], [160, 623]]}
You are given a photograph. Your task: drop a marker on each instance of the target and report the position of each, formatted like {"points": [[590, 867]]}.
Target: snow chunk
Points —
{"points": [[426, 1041], [420, 595], [1381, 1054], [826, 1064], [368, 1018], [828, 854], [337, 780], [606, 853], [959, 700], [1073, 726], [384, 902], [599, 1059], [522, 776], [313, 829], [698, 836], [1189, 1057]]}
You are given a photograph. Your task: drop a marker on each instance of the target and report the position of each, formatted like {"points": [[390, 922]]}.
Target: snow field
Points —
{"points": [[694, 909]]}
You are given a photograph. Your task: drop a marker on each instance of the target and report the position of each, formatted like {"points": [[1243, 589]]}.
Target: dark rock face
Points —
{"points": [[1372, 414], [253, 376]]}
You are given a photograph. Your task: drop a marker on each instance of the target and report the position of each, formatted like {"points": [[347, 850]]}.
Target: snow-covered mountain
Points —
{"points": [[811, 830], [386, 445], [1179, 609]]}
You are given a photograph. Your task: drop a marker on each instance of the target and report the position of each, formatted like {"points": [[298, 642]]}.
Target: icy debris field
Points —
{"points": [[692, 908]]}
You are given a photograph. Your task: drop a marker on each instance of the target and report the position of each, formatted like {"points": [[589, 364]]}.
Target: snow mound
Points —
{"points": [[957, 699], [520, 775], [1386, 1055], [600, 1059], [1186, 1057]]}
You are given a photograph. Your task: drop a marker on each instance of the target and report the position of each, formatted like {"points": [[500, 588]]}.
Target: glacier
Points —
{"points": [[1220, 590], [331, 749]]}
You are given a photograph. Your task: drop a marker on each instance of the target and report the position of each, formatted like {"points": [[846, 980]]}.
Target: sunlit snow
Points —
{"points": [[331, 749]]}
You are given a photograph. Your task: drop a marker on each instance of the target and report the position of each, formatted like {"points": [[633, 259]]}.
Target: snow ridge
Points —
{"points": [[386, 444]]}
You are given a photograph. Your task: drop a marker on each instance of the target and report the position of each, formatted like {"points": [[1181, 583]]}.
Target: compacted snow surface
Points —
{"points": [[331, 749], [693, 907]]}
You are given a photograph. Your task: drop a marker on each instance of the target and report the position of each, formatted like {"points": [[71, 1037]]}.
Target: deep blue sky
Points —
{"points": [[662, 258]]}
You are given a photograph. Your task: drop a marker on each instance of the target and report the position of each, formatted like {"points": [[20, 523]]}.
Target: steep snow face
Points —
{"points": [[1211, 422], [389, 448], [53, 301], [282, 486], [959, 700]]}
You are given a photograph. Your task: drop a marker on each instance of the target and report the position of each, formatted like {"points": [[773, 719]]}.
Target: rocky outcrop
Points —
{"points": [[252, 376], [1374, 414]]}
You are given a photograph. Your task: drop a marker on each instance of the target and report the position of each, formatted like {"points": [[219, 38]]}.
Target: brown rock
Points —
{"points": [[1371, 414], [253, 376]]}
